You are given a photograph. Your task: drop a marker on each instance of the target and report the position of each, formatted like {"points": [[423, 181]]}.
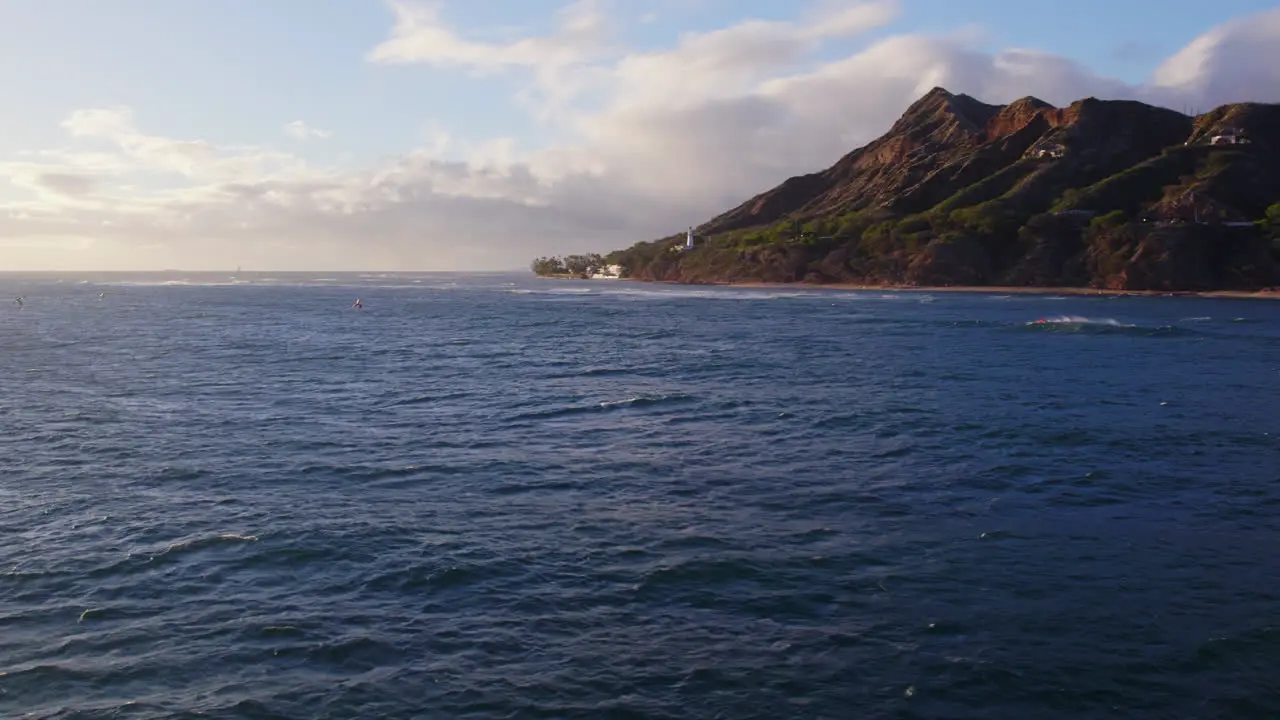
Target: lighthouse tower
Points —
{"points": [[688, 240]]}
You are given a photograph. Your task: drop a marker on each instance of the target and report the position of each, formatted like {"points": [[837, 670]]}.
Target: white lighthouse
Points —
{"points": [[688, 239]]}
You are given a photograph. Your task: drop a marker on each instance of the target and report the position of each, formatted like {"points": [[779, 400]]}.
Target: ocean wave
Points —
{"points": [[865, 296], [597, 372], [1106, 326], [426, 399], [140, 561], [144, 283], [638, 401], [701, 575], [548, 291], [647, 400], [1079, 320], [738, 294], [199, 543]]}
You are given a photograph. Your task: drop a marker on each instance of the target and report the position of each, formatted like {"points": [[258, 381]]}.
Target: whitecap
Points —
{"points": [[1080, 320]]}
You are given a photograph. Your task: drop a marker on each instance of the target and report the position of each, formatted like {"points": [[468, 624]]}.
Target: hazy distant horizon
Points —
{"points": [[475, 137]]}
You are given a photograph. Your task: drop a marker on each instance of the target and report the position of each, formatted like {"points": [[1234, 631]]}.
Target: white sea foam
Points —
{"points": [[1080, 320], [717, 294]]}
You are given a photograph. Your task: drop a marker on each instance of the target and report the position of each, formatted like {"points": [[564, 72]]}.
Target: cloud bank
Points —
{"points": [[658, 140]]}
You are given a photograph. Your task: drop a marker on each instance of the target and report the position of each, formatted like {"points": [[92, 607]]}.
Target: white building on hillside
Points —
{"points": [[688, 243], [688, 240], [1229, 136]]}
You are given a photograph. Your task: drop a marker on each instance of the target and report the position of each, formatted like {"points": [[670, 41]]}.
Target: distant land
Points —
{"points": [[1113, 195]]}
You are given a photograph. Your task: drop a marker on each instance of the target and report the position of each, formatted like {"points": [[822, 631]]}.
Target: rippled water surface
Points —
{"points": [[498, 497]]}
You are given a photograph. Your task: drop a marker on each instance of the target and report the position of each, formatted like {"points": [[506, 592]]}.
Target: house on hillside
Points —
{"points": [[1229, 136], [1053, 150], [1048, 147]]}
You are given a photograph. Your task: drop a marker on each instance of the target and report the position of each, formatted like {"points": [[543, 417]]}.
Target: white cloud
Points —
{"points": [[1237, 60], [732, 61], [141, 152], [560, 61], [299, 130], [100, 122], [661, 139], [421, 36], [840, 20]]}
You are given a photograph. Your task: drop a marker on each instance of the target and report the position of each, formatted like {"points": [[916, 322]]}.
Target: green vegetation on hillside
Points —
{"points": [[572, 265]]}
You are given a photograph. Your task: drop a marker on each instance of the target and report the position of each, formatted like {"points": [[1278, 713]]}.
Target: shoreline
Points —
{"points": [[1268, 294]]}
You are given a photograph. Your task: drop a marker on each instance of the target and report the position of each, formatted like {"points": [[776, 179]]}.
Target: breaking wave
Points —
{"points": [[1082, 324], [1080, 321]]}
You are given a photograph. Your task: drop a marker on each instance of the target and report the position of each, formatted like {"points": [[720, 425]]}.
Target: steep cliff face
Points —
{"points": [[946, 142], [935, 128], [962, 192]]}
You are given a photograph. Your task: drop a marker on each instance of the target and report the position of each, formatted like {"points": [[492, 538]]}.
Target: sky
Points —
{"points": [[479, 134]]}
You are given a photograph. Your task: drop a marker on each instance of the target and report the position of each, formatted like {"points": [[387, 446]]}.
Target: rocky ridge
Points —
{"points": [[1102, 193]]}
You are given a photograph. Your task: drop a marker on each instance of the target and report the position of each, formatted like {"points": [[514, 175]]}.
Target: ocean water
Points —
{"points": [[491, 496]]}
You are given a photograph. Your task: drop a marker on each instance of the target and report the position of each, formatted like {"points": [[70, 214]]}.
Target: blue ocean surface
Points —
{"points": [[493, 496]]}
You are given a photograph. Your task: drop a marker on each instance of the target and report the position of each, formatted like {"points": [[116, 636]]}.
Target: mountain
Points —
{"points": [[1102, 193]]}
